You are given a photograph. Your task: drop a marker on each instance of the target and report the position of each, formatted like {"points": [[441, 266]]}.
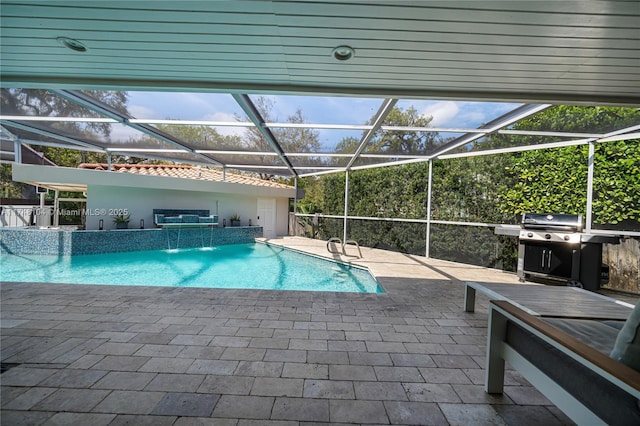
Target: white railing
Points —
{"points": [[316, 218], [24, 215], [453, 222]]}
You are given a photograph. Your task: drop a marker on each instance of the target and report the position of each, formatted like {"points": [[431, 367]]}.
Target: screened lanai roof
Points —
{"points": [[241, 84]]}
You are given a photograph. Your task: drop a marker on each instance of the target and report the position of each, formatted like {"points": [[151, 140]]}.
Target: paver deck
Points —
{"points": [[111, 355]]}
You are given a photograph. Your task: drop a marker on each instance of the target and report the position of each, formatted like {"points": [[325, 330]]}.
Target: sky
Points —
{"points": [[315, 109]]}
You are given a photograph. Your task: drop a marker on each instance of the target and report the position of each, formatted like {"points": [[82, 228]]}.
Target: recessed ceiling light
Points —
{"points": [[72, 44], [343, 53]]}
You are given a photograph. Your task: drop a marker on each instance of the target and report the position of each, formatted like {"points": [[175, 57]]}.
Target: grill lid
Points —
{"points": [[549, 221]]}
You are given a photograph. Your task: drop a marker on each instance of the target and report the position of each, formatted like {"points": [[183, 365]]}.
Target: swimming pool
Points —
{"points": [[246, 266]]}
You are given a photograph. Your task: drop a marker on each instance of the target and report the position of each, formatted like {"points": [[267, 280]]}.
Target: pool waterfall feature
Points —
{"points": [[176, 231], [67, 242]]}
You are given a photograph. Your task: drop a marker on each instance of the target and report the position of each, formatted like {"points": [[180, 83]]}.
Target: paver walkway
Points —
{"points": [[111, 355]]}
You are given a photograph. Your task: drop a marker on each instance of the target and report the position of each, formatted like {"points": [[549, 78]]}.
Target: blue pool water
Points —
{"points": [[248, 266]]}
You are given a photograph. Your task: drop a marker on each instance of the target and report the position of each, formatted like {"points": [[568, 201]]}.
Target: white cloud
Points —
{"points": [[220, 116], [139, 111], [195, 101], [180, 105], [223, 130], [464, 114], [442, 112], [122, 133], [477, 117]]}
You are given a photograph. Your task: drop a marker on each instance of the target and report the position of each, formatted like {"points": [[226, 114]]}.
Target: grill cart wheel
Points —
{"points": [[574, 283]]}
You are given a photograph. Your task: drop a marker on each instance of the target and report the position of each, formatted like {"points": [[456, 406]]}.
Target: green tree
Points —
{"points": [[389, 192], [555, 180], [313, 200], [396, 141], [39, 102], [202, 137], [44, 103], [11, 189], [468, 189], [294, 139], [616, 198], [491, 188]]}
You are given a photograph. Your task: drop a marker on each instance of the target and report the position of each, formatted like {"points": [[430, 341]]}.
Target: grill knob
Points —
{"points": [[530, 235], [547, 236], [566, 238]]}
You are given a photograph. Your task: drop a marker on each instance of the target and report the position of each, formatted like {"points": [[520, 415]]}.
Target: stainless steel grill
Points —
{"points": [[563, 228], [553, 247]]}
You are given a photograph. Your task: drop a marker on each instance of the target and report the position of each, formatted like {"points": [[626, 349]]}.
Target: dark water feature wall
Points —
{"points": [[72, 242]]}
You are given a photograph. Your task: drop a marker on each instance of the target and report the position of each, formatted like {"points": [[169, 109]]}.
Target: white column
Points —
{"points": [[429, 207], [17, 152], [592, 153], [56, 208], [346, 205], [295, 199]]}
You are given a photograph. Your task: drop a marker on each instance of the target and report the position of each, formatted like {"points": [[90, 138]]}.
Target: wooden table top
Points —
{"points": [[556, 301]]}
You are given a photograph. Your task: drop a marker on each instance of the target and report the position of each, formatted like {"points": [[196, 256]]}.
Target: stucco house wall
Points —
{"points": [[140, 202], [109, 193]]}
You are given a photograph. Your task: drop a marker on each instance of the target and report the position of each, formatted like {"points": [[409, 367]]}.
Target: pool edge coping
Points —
{"points": [[326, 259]]}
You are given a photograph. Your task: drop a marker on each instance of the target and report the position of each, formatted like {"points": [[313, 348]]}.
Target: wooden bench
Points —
{"points": [[586, 384]]}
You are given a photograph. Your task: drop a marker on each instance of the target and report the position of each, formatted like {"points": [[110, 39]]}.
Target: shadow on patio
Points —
{"points": [[152, 355]]}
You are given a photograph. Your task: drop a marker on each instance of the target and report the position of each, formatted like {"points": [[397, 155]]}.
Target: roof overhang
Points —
{"points": [[79, 180], [541, 52]]}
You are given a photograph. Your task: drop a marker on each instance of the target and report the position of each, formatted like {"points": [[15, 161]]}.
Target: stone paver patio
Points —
{"points": [[111, 355]]}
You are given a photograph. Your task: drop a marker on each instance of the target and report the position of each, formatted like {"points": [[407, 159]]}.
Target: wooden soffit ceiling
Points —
{"points": [[549, 51]]}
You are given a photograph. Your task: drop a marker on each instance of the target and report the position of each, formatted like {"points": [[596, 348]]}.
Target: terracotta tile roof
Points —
{"points": [[185, 172]]}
